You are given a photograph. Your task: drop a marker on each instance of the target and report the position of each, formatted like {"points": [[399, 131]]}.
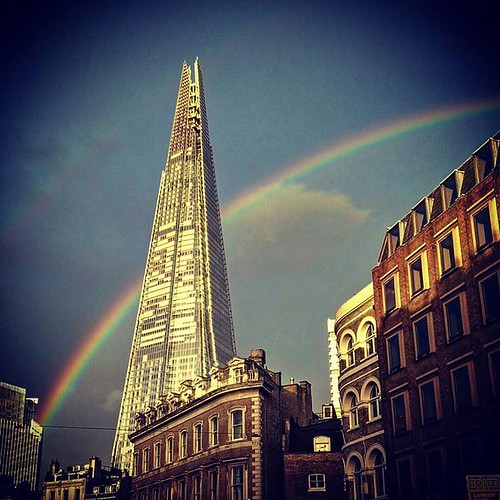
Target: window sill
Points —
{"points": [[416, 294]]}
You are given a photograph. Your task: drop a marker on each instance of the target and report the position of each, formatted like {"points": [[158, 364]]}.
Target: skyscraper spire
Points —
{"points": [[184, 323]]}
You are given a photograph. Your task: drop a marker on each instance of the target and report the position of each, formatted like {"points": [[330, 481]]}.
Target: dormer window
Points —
{"points": [[321, 444]]}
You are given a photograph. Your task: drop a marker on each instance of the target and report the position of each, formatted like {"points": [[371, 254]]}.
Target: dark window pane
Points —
{"points": [[429, 408], [394, 353], [454, 318], [422, 337], [399, 413], [482, 226], [447, 253], [389, 295], [491, 297], [463, 396]]}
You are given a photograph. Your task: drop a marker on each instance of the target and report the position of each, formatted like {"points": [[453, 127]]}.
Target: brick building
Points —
{"points": [[219, 437], [437, 312], [313, 462], [360, 395]]}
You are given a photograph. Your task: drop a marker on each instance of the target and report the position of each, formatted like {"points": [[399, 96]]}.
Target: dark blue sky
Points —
{"points": [[87, 99]]}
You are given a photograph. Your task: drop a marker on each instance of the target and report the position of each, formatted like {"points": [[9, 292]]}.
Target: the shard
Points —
{"points": [[184, 323]]}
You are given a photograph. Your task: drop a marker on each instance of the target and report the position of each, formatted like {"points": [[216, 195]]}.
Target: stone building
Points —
{"points": [[91, 480], [360, 394], [437, 312]]}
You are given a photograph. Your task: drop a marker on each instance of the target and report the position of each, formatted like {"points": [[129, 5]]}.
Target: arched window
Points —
{"points": [[377, 466], [379, 472], [370, 339], [357, 478], [373, 400], [183, 444], [350, 352], [321, 443], [170, 450], [352, 402]]}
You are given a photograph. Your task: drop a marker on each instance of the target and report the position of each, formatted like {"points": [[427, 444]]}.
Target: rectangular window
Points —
{"points": [[405, 479], [145, 460], [214, 480], [454, 319], [197, 488], [52, 495], [182, 490], [170, 450], [198, 438], [316, 482], [214, 431], [183, 444], [237, 489], [482, 227], [428, 403], [399, 414], [390, 294], [157, 455], [169, 493], [77, 494], [494, 358], [65, 494], [490, 297], [422, 337], [136, 464], [462, 388], [435, 474], [416, 271], [394, 353], [447, 254], [237, 424]]}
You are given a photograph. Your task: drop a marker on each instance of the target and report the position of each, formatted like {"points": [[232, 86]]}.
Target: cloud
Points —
{"points": [[293, 229], [112, 401]]}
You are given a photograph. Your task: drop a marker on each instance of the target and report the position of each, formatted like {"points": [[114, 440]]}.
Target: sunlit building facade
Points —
{"points": [[437, 309], [361, 394], [20, 435], [184, 323]]}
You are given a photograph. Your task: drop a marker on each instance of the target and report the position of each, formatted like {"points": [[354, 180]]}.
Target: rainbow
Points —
{"points": [[127, 301], [94, 339]]}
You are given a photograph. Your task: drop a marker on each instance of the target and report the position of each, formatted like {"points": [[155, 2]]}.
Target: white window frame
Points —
{"points": [[399, 335], [169, 449], [213, 430], [322, 444], [424, 275], [408, 425], [430, 334], [157, 455], [146, 454], [484, 312], [494, 388], [490, 205], [373, 402], [370, 340], [397, 299], [437, 402], [233, 485], [232, 425], [456, 254], [472, 385], [463, 313], [183, 443], [198, 437], [316, 482]]}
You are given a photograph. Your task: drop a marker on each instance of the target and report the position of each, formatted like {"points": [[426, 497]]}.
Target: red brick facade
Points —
{"points": [[437, 312]]}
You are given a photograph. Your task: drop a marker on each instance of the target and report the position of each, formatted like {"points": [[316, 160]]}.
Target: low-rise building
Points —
{"points": [[360, 394]]}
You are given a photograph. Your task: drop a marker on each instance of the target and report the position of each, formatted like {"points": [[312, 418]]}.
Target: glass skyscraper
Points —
{"points": [[184, 323]]}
